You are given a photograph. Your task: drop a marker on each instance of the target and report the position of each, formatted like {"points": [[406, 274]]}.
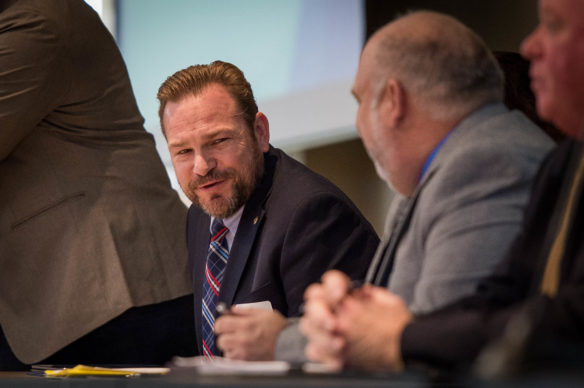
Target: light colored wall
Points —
{"points": [[296, 54]]}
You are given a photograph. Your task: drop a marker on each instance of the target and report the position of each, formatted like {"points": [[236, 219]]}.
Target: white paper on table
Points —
{"points": [[224, 366], [263, 305]]}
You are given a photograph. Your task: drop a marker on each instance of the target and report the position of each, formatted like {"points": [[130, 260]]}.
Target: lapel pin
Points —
{"points": [[255, 220]]}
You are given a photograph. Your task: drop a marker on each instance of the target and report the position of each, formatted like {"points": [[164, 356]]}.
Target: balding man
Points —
{"points": [[431, 117]]}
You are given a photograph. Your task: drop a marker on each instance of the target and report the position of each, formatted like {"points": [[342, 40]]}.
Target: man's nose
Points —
{"points": [[203, 164], [530, 46]]}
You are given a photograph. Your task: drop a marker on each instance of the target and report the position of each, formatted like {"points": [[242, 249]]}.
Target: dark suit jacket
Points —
{"points": [[295, 226], [89, 225], [453, 336]]}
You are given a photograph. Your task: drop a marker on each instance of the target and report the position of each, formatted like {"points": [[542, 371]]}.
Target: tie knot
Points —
{"points": [[218, 229]]}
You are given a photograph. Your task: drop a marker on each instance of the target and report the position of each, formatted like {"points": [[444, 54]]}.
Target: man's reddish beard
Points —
{"points": [[244, 183]]}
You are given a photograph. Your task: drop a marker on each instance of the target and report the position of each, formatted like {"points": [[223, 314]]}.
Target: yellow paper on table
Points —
{"points": [[84, 370]]}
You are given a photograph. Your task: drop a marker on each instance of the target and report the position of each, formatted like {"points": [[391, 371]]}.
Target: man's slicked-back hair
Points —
{"points": [[446, 64], [194, 79]]}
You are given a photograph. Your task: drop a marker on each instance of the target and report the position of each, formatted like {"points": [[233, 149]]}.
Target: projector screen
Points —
{"points": [[300, 57]]}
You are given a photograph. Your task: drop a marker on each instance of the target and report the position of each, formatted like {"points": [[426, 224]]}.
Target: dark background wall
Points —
{"points": [[501, 23]]}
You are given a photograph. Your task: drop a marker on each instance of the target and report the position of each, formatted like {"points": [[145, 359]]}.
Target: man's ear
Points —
{"points": [[261, 129], [393, 104]]}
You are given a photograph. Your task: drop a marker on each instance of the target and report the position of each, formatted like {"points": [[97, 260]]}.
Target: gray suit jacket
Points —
{"points": [[89, 225], [465, 212], [462, 218]]}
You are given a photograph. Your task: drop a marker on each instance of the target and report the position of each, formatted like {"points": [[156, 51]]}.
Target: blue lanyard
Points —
{"points": [[432, 155]]}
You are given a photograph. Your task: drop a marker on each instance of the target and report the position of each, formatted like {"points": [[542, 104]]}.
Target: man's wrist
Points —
{"points": [[395, 356]]}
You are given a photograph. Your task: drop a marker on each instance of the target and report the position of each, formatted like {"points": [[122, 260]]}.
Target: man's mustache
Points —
{"points": [[210, 177]]}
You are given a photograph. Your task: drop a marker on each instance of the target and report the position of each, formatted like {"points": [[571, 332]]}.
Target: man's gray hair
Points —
{"points": [[451, 71]]}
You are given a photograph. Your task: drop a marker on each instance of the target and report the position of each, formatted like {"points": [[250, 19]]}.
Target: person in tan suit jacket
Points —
{"points": [[93, 262]]}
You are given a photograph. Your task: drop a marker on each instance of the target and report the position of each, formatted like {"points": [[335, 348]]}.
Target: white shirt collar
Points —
{"points": [[231, 223]]}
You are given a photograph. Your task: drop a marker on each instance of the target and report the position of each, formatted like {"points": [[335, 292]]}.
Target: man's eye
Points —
{"points": [[553, 24], [183, 151], [218, 141]]}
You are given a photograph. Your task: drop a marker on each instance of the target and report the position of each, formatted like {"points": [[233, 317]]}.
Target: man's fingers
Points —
{"points": [[336, 286], [318, 326], [318, 315], [230, 346], [318, 323], [221, 341], [314, 291], [327, 349], [227, 324]]}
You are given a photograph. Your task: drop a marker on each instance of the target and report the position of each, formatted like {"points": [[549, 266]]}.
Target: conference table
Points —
{"points": [[180, 379], [184, 378]]}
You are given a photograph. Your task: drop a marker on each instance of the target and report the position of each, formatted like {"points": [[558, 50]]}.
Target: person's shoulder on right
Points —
{"points": [[510, 131], [506, 148], [509, 143]]}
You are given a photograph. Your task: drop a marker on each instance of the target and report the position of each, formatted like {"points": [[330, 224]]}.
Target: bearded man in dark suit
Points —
{"points": [[282, 225]]}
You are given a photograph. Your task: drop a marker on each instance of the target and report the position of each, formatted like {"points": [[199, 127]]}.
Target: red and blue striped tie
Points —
{"points": [[214, 269]]}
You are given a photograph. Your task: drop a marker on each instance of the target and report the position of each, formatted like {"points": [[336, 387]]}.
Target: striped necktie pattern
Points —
{"points": [[214, 270]]}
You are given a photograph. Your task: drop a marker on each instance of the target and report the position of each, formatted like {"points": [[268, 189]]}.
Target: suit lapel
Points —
{"points": [[247, 232], [382, 263]]}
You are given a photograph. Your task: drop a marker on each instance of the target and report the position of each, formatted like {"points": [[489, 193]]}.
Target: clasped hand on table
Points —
{"points": [[358, 328]]}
